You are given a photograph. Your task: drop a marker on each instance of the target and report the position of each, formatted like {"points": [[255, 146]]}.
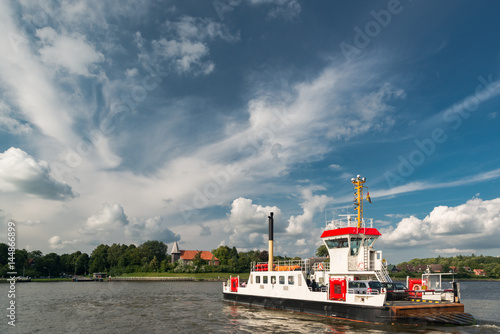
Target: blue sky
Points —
{"points": [[125, 121]]}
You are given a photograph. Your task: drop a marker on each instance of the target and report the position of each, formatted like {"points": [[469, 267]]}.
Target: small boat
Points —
{"points": [[21, 279], [348, 284]]}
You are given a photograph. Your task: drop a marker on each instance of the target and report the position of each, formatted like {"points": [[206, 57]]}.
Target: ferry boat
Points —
{"points": [[347, 285]]}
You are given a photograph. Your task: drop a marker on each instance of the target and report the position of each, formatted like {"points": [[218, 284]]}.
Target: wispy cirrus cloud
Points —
{"points": [[427, 185], [284, 9]]}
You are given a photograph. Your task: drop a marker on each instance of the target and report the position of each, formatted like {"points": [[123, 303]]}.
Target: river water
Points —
{"points": [[195, 307]]}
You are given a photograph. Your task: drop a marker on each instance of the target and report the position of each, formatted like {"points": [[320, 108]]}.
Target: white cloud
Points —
{"points": [[141, 230], [195, 28], [111, 222], [56, 242], [301, 242], [286, 9], [10, 123], [419, 186], [453, 251], [131, 72], [247, 224], [184, 56], [108, 219], [304, 223], [29, 83], [184, 47], [19, 172], [71, 52], [473, 225]]}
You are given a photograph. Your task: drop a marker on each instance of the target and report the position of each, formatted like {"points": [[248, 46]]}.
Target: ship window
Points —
{"points": [[337, 243], [355, 243], [369, 242], [290, 280], [273, 279], [264, 279], [257, 279], [282, 279]]}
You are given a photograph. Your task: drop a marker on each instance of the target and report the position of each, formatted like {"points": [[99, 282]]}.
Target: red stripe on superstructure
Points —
{"points": [[350, 230]]}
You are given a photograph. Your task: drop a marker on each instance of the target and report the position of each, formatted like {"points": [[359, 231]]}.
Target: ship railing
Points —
{"points": [[283, 265], [349, 222], [321, 266]]}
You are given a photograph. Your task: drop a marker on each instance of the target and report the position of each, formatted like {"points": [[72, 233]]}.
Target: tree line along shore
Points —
{"points": [[151, 259]]}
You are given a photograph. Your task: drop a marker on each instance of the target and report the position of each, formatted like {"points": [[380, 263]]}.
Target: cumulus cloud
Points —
{"points": [[110, 221], [247, 223], [141, 230], [313, 203], [71, 52], [473, 225], [57, 243], [20, 172]]}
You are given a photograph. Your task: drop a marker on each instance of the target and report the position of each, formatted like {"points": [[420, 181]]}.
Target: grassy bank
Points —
{"points": [[200, 276], [4, 280]]}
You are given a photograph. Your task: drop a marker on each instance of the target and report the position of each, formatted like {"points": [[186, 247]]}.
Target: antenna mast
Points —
{"points": [[358, 201]]}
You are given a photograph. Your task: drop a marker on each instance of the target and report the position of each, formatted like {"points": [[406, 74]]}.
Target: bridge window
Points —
{"points": [[337, 243], [369, 242], [264, 279], [290, 280], [282, 279], [257, 279], [355, 243]]}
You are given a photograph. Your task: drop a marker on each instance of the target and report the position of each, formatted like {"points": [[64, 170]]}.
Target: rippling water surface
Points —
{"points": [[196, 307]]}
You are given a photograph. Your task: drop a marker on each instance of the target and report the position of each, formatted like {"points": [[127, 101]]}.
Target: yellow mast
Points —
{"points": [[358, 202]]}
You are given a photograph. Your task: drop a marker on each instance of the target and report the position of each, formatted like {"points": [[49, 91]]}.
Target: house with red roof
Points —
{"points": [[188, 256], [479, 272]]}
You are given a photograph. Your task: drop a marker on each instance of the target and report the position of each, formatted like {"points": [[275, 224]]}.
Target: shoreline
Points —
{"points": [[192, 278]]}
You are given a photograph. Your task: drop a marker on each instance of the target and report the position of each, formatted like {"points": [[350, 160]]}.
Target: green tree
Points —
{"points": [[233, 253], [153, 248], [322, 251], [99, 259], [82, 264], [198, 260], [4, 250], [114, 253], [154, 265], [222, 253], [49, 264]]}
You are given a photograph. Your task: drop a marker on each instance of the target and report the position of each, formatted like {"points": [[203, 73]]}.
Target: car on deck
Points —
{"points": [[395, 290], [365, 287]]}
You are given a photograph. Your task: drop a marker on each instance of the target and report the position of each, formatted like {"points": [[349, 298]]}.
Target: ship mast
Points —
{"points": [[358, 201]]}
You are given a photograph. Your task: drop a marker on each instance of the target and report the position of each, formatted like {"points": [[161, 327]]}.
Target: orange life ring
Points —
{"points": [[361, 265], [417, 287], [320, 266]]}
